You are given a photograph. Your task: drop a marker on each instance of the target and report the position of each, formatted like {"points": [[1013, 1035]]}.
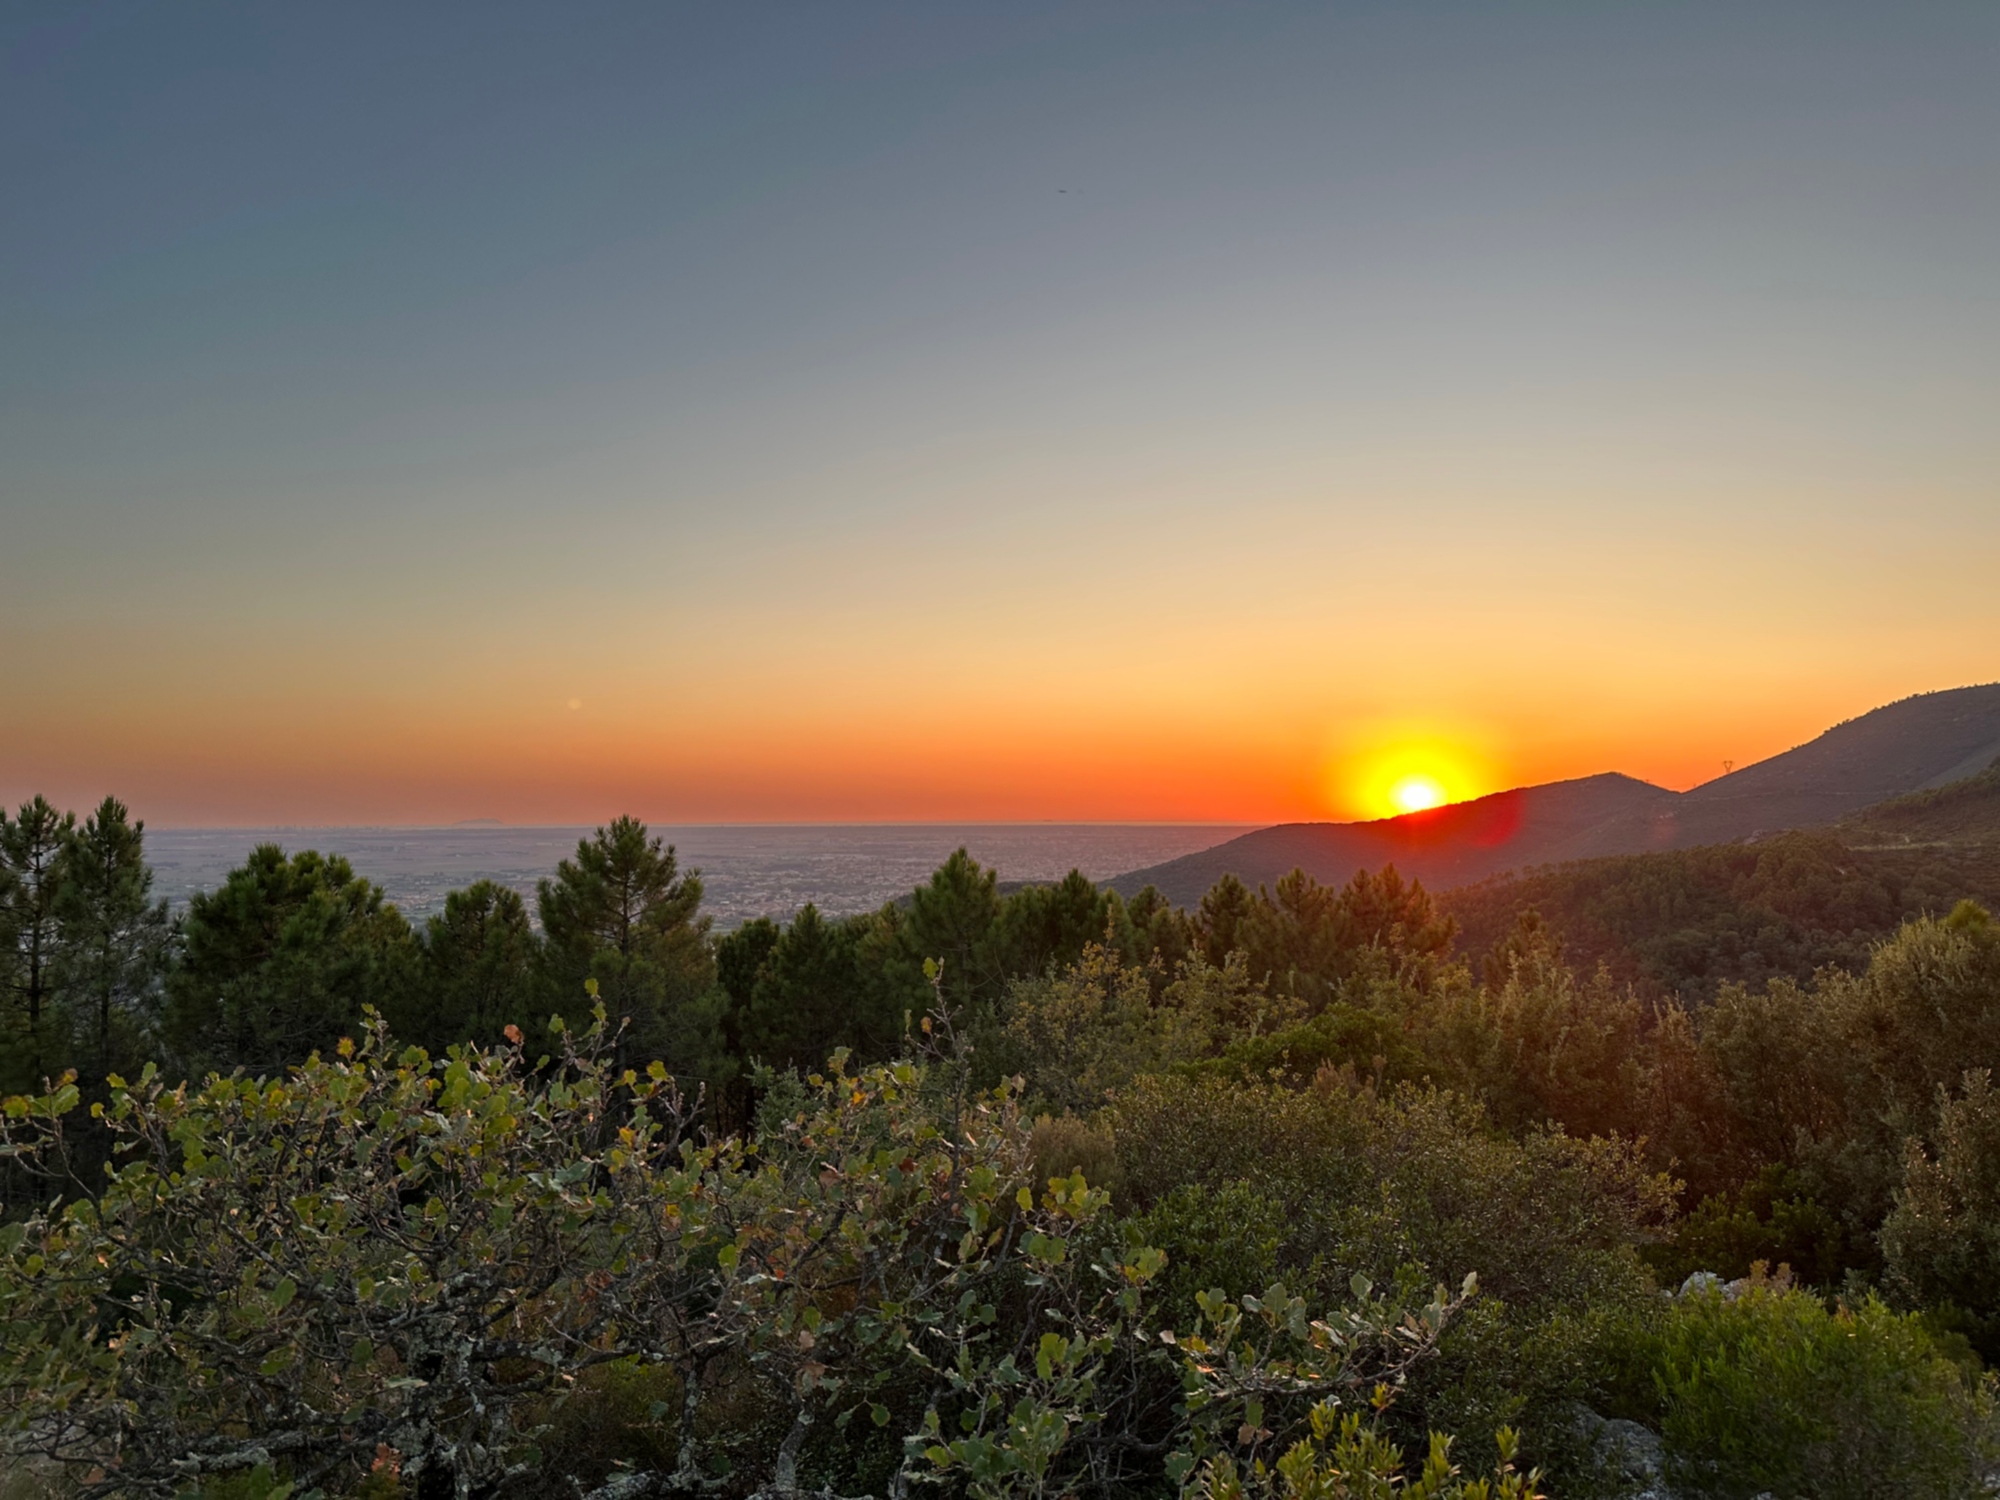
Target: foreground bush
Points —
{"points": [[1345, 1457], [1245, 1184], [1941, 1243], [483, 1275], [1770, 1392], [1274, 1408], [389, 1264]]}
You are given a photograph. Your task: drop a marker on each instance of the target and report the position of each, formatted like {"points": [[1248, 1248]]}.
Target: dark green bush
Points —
{"points": [[1325, 1183], [1369, 1183], [1229, 1238], [1346, 1038], [1941, 1243], [1770, 1219], [1771, 1392]]}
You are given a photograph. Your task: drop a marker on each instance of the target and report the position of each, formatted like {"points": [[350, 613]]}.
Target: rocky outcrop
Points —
{"points": [[1628, 1450]]}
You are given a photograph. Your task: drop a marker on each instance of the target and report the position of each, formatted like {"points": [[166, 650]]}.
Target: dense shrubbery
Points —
{"points": [[1770, 1391], [1241, 1185], [386, 1255], [1685, 922], [692, 1249], [389, 1274]]}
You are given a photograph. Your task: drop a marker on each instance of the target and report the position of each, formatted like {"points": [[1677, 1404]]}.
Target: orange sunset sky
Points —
{"points": [[1046, 412]]}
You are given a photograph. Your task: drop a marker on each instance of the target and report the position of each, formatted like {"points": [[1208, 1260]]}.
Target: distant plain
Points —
{"points": [[748, 870]]}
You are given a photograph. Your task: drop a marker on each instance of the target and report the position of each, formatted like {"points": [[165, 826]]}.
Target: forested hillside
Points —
{"points": [[1959, 814], [1687, 921], [1037, 1193]]}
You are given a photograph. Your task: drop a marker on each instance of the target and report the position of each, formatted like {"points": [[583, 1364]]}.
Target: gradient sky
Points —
{"points": [[855, 411]]}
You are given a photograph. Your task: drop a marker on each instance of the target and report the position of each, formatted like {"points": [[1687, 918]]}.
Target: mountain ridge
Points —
{"points": [[1912, 745]]}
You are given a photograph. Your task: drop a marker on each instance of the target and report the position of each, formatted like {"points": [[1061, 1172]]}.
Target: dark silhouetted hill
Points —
{"points": [[1914, 745], [1917, 744], [1444, 846]]}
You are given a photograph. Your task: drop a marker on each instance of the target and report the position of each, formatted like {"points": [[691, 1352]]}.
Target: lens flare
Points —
{"points": [[1415, 793]]}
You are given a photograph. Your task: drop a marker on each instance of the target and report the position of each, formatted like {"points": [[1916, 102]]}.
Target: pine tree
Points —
{"points": [[1219, 924], [951, 920], [31, 851], [811, 995], [280, 960], [114, 939], [480, 957], [623, 913]]}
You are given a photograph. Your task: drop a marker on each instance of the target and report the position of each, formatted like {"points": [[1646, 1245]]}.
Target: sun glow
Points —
{"points": [[1416, 792], [1387, 770]]}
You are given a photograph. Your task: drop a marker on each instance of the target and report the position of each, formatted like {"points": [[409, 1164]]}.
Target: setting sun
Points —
{"points": [[1389, 768], [1415, 793]]}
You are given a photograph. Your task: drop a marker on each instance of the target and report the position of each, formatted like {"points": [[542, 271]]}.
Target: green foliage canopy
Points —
{"points": [[281, 960]]}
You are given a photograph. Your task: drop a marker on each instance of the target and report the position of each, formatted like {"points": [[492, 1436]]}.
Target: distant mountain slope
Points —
{"points": [[1445, 846], [1921, 742], [1918, 743], [1964, 813], [1687, 920]]}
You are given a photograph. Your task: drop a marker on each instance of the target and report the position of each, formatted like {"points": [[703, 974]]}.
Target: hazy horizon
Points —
{"points": [[748, 870]]}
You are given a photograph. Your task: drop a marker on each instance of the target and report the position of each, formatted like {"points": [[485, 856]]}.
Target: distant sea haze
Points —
{"points": [[748, 870]]}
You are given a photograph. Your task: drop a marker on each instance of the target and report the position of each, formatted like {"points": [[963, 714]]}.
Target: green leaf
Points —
{"points": [[1047, 1353]]}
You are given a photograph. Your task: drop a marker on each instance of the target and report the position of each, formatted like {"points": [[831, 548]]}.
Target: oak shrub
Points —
{"points": [[494, 1274]]}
